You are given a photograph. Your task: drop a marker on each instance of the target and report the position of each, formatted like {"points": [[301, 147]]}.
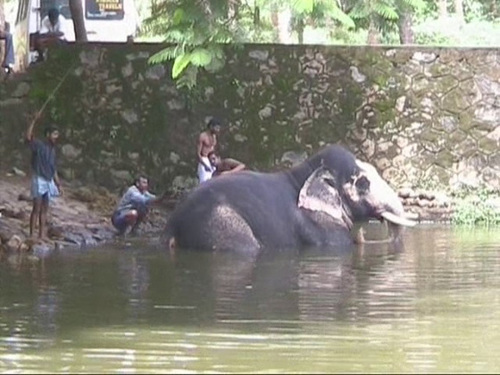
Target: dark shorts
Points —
{"points": [[119, 220]]}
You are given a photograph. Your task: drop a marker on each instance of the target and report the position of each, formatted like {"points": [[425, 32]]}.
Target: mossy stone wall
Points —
{"points": [[425, 117]]}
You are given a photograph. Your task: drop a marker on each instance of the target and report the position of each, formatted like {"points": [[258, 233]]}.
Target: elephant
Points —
{"points": [[314, 204]]}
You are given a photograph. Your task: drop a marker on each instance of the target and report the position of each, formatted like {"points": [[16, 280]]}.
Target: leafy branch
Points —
{"points": [[197, 31]]}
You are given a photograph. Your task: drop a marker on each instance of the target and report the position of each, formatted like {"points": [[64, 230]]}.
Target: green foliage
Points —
{"points": [[196, 30], [180, 63], [449, 32], [383, 14], [303, 6], [321, 12], [476, 207]]}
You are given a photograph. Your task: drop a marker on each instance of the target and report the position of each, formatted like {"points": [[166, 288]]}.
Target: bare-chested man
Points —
{"points": [[206, 143], [224, 166]]}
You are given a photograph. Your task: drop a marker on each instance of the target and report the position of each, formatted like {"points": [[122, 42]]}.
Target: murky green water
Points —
{"points": [[433, 306]]}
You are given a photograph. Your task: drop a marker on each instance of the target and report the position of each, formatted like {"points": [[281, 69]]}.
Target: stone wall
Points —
{"points": [[426, 117]]}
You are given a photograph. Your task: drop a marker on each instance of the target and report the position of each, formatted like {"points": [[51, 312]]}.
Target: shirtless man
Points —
{"points": [[206, 143], [224, 166]]}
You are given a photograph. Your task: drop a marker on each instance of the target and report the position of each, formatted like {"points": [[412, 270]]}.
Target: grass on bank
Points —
{"points": [[476, 207]]}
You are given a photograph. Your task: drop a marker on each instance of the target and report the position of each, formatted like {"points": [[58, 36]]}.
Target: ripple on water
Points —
{"points": [[432, 307]]}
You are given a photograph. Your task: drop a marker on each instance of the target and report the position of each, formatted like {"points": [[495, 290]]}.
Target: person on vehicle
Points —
{"points": [[54, 29]]}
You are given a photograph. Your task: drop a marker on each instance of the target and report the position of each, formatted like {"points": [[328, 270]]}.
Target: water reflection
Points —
{"points": [[431, 306], [134, 276]]}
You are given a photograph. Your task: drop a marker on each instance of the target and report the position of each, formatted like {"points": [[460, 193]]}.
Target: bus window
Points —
{"points": [[62, 5], [104, 9]]}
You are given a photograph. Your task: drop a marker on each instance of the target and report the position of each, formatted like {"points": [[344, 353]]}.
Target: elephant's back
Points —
{"points": [[265, 201]]}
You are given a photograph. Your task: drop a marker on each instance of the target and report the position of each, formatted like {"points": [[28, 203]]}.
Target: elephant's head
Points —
{"points": [[363, 195], [369, 196]]}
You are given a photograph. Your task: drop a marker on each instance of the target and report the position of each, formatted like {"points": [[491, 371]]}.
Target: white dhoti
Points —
{"points": [[203, 174]]}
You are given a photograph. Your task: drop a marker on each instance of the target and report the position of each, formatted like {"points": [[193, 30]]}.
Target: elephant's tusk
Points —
{"points": [[411, 215], [386, 240], [397, 219]]}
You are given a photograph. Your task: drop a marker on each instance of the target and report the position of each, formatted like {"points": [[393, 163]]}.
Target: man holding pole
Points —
{"points": [[45, 182]]}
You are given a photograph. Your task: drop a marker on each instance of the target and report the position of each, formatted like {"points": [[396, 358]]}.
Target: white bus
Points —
{"points": [[105, 21]]}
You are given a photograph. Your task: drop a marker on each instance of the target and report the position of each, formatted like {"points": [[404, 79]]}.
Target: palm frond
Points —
{"points": [[413, 4], [302, 6], [337, 14], [385, 11], [166, 54]]}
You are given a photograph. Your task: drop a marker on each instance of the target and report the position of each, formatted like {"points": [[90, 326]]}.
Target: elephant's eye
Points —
{"points": [[330, 182], [362, 184]]}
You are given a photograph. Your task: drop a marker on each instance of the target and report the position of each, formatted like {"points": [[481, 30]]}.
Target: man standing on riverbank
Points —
{"points": [[206, 143], [45, 182]]}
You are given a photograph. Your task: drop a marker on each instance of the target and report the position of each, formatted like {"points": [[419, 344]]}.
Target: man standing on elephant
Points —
{"points": [[206, 143]]}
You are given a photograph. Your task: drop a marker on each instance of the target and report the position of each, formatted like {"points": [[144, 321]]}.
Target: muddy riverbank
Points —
{"points": [[79, 218]]}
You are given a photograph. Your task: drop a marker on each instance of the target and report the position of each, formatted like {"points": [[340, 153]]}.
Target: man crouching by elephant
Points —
{"points": [[224, 166], [134, 206]]}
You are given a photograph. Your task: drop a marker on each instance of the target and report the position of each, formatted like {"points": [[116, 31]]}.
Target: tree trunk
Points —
{"points": [[275, 23], [443, 8], [459, 11], [2, 14], [300, 30], [2, 25], [373, 34], [405, 28], [233, 7], [78, 22]]}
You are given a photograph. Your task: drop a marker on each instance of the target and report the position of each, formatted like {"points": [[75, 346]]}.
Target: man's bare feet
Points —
{"points": [[33, 239], [43, 238]]}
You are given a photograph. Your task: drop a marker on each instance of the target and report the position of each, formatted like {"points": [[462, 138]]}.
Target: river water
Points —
{"points": [[432, 306]]}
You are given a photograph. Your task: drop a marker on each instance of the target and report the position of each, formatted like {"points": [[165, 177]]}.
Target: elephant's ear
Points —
{"points": [[320, 193]]}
